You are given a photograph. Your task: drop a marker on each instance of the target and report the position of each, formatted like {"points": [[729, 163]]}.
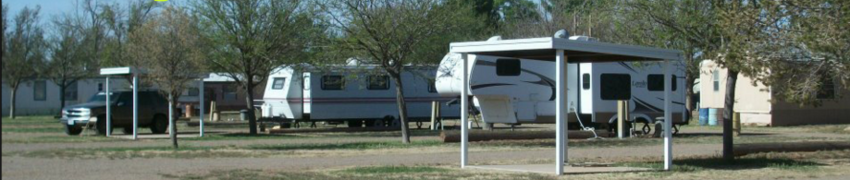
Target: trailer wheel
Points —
{"points": [[355, 123], [376, 123]]}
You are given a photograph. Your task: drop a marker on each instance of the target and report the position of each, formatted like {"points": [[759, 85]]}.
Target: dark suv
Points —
{"points": [[153, 110]]}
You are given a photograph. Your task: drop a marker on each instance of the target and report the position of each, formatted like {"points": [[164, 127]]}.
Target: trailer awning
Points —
{"points": [[577, 50]]}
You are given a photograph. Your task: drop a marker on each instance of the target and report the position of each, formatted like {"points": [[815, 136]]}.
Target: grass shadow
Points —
{"points": [[345, 146]]}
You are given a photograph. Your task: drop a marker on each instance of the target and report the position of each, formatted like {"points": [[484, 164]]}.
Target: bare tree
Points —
{"points": [[249, 39], [396, 33], [69, 61], [26, 48], [167, 47]]}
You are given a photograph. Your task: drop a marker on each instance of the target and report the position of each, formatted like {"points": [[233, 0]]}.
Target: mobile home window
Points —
{"points": [[585, 81], [716, 77], [827, 88], [615, 86], [332, 82], [71, 92], [277, 83], [655, 82], [508, 67], [39, 90], [379, 82], [432, 88], [228, 92], [192, 92]]}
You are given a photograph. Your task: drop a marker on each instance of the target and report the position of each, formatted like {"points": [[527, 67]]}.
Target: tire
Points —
{"points": [[355, 123], [73, 130], [160, 124], [100, 125], [127, 130], [376, 123]]}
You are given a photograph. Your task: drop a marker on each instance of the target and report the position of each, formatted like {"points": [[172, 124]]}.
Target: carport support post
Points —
{"points": [[668, 122], [561, 111], [464, 112], [201, 108], [135, 106], [108, 109]]}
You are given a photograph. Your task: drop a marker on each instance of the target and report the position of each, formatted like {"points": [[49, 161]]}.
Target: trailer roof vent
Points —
{"points": [[494, 38], [563, 33]]}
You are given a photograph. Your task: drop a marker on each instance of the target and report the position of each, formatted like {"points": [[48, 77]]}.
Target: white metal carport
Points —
{"points": [[562, 51], [134, 73]]}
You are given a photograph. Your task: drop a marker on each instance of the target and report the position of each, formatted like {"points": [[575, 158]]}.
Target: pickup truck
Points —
{"points": [[153, 113]]}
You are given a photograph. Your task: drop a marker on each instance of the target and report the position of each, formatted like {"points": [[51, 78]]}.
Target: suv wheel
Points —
{"points": [[100, 125], [160, 124], [73, 130]]}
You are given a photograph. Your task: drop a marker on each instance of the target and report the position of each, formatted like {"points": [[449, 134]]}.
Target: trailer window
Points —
{"points": [[615, 86], [39, 90], [277, 83], [379, 82], [332, 82], [508, 67], [585, 81], [716, 77], [655, 82]]}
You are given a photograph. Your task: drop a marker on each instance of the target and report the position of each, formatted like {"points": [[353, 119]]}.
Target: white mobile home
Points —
{"points": [[352, 94], [524, 91], [41, 96], [753, 102]]}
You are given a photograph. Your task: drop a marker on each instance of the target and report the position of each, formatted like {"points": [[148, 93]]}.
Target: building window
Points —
{"points": [[716, 77], [71, 92], [333, 82], [192, 92], [277, 83], [615, 86], [379, 82], [655, 82], [827, 88], [39, 89], [432, 88], [228, 92], [99, 87], [508, 67], [585, 81]]}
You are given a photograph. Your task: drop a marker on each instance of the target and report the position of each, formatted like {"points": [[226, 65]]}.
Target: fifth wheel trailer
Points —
{"points": [[524, 91], [355, 94]]}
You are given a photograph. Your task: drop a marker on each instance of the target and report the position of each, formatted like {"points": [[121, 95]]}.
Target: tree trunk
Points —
{"points": [[249, 102], [402, 107], [62, 88], [13, 99], [689, 100], [171, 121], [728, 109]]}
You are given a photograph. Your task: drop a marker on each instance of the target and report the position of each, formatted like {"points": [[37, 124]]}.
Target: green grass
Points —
{"points": [[8, 129]]}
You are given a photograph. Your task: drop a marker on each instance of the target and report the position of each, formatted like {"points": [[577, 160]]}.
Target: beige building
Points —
{"points": [[754, 101]]}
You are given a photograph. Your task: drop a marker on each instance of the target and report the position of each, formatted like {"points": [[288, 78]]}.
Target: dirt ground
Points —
{"points": [[31, 150]]}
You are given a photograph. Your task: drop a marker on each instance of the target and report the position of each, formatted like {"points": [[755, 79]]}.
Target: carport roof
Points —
{"points": [[575, 50]]}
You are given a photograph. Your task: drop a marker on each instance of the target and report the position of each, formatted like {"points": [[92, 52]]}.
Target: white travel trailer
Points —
{"points": [[353, 94], [524, 91]]}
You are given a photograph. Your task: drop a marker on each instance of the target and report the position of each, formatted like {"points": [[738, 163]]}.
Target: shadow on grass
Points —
{"points": [[717, 163], [704, 134], [345, 146]]}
